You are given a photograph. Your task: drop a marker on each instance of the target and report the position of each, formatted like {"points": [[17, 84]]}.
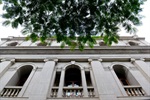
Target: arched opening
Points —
{"points": [[14, 86], [20, 77], [124, 75], [133, 43], [73, 76], [130, 85], [121, 74], [12, 44]]}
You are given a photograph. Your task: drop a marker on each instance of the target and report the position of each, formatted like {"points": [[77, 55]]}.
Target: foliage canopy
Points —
{"points": [[73, 22]]}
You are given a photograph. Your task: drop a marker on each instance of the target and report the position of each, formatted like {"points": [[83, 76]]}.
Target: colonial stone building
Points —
{"points": [[35, 71]]}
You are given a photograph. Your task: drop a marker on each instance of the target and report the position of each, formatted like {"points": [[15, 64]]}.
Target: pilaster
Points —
{"points": [[61, 83], [143, 67], [84, 84], [93, 82], [40, 90], [139, 75], [105, 90], [5, 64]]}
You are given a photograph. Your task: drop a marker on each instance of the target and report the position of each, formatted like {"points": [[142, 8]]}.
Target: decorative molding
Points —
{"points": [[95, 58], [132, 60], [142, 59], [35, 50], [90, 60], [73, 62], [8, 59], [50, 59], [56, 60], [100, 60]]}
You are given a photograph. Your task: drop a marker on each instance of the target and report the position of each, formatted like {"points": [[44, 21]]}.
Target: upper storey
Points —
{"points": [[126, 45], [124, 41]]}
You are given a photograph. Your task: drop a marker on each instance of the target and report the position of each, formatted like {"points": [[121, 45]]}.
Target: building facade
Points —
{"points": [[35, 71]]}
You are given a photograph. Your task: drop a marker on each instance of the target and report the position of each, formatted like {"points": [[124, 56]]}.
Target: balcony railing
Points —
{"points": [[134, 91], [11, 91], [54, 92], [91, 92], [73, 92]]}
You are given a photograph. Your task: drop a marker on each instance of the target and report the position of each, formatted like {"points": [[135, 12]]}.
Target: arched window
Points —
{"points": [[124, 75], [73, 76], [12, 44], [121, 74], [129, 83], [133, 43], [73, 82], [14, 86], [20, 76]]}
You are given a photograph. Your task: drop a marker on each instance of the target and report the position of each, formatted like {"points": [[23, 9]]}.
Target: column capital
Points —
{"points": [[83, 68], [99, 59], [90, 60], [73, 62], [132, 60], [8, 59], [51, 59], [142, 59]]}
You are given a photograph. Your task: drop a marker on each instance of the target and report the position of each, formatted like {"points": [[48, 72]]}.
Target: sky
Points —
{"points": [[143, 30]]}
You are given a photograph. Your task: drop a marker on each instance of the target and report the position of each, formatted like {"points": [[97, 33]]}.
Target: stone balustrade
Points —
{"points": [[11, 91], [91, 92], [134, 91], [54, 92]]}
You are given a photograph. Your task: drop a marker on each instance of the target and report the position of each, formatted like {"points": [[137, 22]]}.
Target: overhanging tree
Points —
{"points": [[73, 22]]}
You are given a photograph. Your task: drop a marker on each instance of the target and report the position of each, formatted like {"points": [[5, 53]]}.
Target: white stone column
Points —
{"points": [[84, 84], [143, 67], [5, 64], [105, 89], [93, 82], [40, 90], [52, 83], [61, 84], [143, 82]]}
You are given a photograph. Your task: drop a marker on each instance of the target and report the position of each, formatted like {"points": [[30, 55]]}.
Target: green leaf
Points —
{"points": [[14, 24], [0, 1], [62, 45], [90, 44], [6, 23], [81, 46], [73, 20], [25, 31], [34, 37], [73, 45]]}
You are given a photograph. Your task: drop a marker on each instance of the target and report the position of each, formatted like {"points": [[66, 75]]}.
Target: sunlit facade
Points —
{"points": [[35, 71]]}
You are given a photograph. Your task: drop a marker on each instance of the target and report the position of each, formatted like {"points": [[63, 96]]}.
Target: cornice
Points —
{"points": [[121, 38], [57, 50]]}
